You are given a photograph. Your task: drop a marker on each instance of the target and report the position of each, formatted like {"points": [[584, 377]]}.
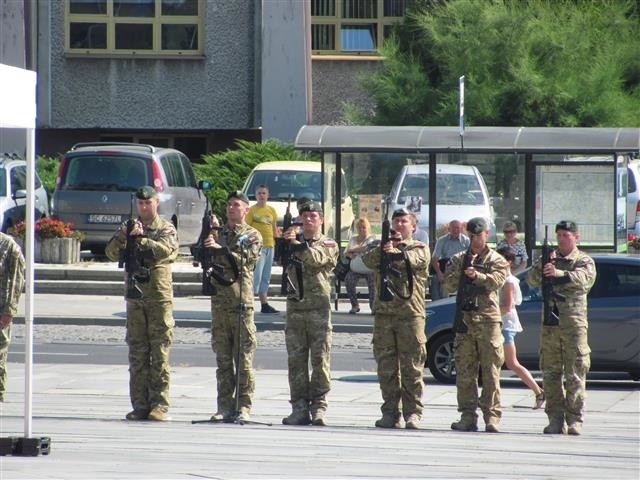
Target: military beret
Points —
{"points": [[567, 225], [239, 195], [146, 192], [401, 212], [310, 207], [477, 225]]}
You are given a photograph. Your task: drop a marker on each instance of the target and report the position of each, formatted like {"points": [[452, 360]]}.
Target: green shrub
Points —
{"points": [[47, 168]]}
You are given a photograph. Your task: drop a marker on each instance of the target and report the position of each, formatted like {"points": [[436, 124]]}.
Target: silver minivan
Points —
{"points": [[96, 181], [461, 194]]}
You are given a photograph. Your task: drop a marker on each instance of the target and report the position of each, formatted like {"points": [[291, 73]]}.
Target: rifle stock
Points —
{"points": [[384, 292]]}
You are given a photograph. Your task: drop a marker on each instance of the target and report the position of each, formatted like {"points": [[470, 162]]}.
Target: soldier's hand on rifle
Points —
{"points": [[137, 229], [549, 270], [290, 235], [210, 242], [470, 271]]}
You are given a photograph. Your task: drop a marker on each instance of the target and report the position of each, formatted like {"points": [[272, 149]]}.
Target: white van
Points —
{"points": [[298, 179], [461, 194]]}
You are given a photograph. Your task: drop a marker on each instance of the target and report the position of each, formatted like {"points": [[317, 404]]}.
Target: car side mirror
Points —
{"points": [[19, 194]]}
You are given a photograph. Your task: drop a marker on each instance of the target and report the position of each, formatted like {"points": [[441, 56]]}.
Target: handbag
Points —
{"points": [[342, 268], [358, 266]]}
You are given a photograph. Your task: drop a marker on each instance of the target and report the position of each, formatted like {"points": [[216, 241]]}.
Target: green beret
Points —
{"points": [[239, 195], [146, 192], [310, 206], [567, 225], [477, 225]]}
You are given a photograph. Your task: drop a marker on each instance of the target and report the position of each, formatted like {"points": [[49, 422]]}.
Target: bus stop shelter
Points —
{"points": [[536, 175]]}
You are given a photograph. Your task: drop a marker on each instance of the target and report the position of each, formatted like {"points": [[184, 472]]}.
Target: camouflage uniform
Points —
{"points": [[11, 285], [308, 329], [150, 319], [481, 345], [564, 351], [399, 341], [225, 307]]}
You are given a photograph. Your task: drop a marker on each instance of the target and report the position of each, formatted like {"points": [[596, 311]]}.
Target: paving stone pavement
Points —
{"points": [[81, 407]]}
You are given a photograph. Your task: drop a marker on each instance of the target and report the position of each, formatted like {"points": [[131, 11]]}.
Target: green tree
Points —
{"points": [[228, 170], [562, 63]]}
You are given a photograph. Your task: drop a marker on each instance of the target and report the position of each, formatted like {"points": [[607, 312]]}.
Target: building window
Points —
{"points": [[132, 27], [353, 26]]}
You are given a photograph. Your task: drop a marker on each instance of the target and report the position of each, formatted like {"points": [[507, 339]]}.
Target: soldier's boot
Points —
{"points": [[318, 410], [467, 423], [412, 422], [137, 414], [159, 413], [243, 414], [556, 425], [491, 427], [222, 415], [388, 420], [300, 414], [575, 428]]}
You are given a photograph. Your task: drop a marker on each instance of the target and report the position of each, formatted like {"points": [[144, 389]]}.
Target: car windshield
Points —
{"points": [[451, 189], [283, 183], [105, 173], [3, 182]]}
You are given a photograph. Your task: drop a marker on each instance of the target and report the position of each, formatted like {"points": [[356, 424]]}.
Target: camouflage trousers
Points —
{"points": [[399, 347], [224, 342], [149, 336], [5, 339], [564, 358], [308, 339], [479, 348]]}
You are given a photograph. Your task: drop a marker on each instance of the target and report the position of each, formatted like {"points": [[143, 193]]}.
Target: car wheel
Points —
{"points": [[440, 359]]}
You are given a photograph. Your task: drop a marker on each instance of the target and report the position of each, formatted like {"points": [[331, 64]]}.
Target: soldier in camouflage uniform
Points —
{"points": [[308, 330], [477, 274], [150, 318], [399, 341], [234, 244], [11, 284], [564, 350]]}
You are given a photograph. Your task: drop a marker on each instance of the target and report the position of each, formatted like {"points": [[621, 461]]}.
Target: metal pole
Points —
{"points": [[28, 314]]}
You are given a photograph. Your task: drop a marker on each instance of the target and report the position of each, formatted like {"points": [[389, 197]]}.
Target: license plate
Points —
{"points": [[100, 218]]}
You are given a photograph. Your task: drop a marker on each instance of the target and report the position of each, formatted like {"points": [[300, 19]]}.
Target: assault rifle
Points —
{"points": [[131, 260], [467, 296], [201, 254], [387, 292], [550, 313], [287, 258]]}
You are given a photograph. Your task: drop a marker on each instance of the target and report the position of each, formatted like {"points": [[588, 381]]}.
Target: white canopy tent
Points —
{"points": [[18, 110]]}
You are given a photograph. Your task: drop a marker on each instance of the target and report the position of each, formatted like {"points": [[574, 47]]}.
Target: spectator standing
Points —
{"points": [[399, 341], [235, 248], [12, 267], [511, 240], [454, 241], [358, 244], [150, 321], [510, 296], [564, 347], [308, 329], [263, 217], [477, 275]]}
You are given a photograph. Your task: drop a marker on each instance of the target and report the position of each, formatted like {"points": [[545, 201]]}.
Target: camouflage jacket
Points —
{"points": [[11, 275], [419, 257], [159, 248], [229, 257], [491, 268], [576, 275], [319, 257]]}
